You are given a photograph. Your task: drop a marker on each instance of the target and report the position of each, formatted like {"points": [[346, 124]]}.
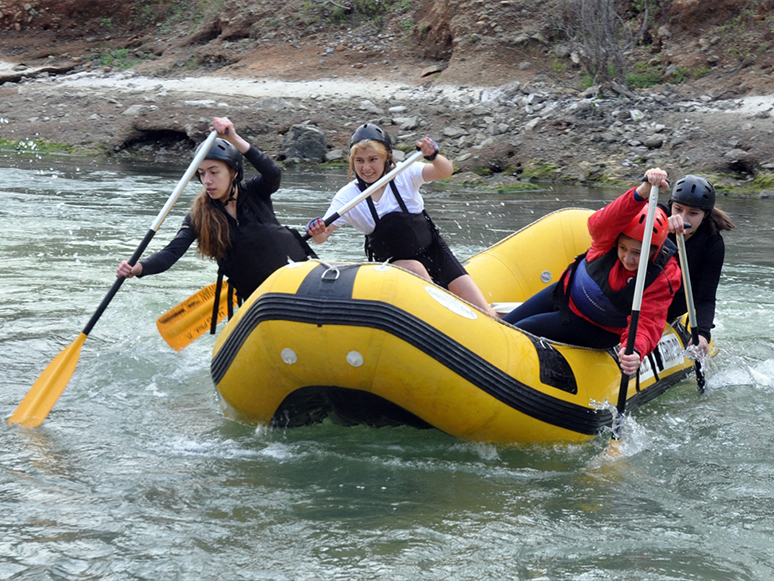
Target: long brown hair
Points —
{"points": [[380, 149], [717, 220], [211, 227]]}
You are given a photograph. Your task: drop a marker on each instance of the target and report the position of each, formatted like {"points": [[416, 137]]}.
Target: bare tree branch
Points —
{"points": [[598, 31]]}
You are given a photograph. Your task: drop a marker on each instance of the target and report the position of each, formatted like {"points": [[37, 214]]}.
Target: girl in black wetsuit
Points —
{"points": [[692, 202], [393, 218], [232, 220]]}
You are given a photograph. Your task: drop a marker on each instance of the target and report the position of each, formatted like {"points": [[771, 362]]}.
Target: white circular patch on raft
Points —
{"points": [[454, 305], [545, 276], [289, 356], [355, 359]]}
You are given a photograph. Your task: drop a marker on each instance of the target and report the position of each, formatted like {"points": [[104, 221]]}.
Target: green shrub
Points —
{"points": [[118, 58], [643, 76]]}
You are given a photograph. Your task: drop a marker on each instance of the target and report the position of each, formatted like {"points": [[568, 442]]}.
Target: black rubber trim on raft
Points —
{"points": [[471, 367], [642, 397]]}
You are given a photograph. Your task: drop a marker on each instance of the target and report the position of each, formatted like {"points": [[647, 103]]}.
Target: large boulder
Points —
{"points": [[305, 142]]}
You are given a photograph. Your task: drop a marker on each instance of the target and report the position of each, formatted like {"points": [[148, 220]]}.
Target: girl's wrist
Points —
{"points": [[433, 155]]}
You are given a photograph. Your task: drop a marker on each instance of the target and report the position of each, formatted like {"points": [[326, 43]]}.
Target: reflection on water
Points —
{"points": [[137, 474]]}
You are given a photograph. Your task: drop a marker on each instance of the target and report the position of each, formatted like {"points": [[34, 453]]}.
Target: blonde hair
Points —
{"points": [[381, 150]]}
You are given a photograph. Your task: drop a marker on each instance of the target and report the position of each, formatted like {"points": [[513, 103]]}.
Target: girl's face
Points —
{"points": [[629, 252], [369, 163], [216, 177], [690, 215]]}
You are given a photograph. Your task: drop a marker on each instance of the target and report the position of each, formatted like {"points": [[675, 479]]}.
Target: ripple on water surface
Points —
{"points": [[138, 475]]}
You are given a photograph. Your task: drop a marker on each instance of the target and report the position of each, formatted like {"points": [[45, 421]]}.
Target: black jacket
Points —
{"points": [[706, 253], [256, 233]]}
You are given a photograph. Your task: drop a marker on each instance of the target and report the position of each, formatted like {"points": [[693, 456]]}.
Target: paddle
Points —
{"points": [[700, 381], [371, 189], [189, 320], [192, 318], [36, 405], [639, 288]]}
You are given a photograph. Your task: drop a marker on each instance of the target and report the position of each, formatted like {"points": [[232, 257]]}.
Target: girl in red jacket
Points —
{"points": [[591, 303]]}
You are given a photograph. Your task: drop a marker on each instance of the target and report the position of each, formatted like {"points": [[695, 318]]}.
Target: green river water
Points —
{"points": [[137, 475]]}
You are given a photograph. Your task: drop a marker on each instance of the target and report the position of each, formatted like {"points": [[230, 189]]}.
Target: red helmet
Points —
{"points": [[636, 228]]}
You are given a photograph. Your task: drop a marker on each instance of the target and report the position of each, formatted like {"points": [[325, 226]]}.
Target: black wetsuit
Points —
{"points": [[406, 236], [259, 244]]}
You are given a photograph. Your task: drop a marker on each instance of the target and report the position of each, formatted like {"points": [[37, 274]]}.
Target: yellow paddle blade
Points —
{"points": [[43, 395], [191, 319]]}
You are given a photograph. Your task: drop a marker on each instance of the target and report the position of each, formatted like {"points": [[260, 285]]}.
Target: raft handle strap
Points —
{"points": [[333, 269], [215, 305], [230, 300]]}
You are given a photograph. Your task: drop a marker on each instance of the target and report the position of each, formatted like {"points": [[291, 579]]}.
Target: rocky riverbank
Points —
{"points": [[500, 135]]}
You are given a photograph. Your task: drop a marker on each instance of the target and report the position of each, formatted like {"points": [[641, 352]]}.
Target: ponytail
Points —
{"points": [[717, 220]]}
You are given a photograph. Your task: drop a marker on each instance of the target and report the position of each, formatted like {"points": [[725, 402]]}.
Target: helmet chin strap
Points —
{"points": [[230, 199]]}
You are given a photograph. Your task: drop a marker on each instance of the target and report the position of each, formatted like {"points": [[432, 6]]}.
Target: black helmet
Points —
{"points": [[694, 191], [226, 152], [373, 132]]}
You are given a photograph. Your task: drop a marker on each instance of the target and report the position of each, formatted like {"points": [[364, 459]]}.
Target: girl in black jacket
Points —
{"points": [[232, 220], [692, 212]]}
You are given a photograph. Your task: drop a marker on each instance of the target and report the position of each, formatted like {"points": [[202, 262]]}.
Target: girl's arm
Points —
{"points": [[227, 131], [439, 167], [270, 173], [606, 224], [653, 310], [164, 258], [270, 176], [705, 288]]}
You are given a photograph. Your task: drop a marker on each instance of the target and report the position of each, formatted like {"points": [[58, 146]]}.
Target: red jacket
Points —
{"points": [[605, 226]]}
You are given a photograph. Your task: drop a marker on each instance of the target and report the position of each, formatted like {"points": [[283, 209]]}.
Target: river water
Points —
{"points": [[136, 473]]}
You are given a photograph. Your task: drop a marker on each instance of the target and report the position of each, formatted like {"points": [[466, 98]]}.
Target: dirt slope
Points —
{"points": [[701, 52]]}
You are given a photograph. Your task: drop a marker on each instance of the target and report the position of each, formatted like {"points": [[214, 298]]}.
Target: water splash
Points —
{"points": [[737, 371], [27, 145], [633, 438], [483, 450]]}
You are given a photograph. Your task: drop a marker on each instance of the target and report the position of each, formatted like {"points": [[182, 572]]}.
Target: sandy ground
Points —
{"points": [[209, 88], [706, 136], [756, 104]]}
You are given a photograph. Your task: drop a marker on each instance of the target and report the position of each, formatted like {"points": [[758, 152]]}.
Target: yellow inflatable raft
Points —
{"points": [[372, 343]]}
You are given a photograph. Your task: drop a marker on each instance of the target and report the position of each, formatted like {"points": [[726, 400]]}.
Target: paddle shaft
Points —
{"points": [[639, 288], [700, 381], [370, 190], [200, 155]]}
